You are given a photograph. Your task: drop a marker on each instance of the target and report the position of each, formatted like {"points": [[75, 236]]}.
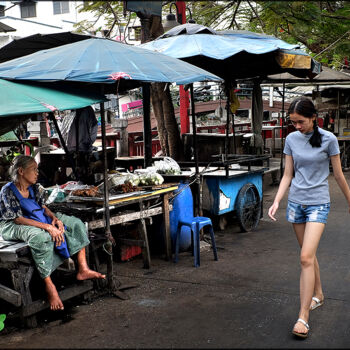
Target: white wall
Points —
{"points": [[45, 21]]}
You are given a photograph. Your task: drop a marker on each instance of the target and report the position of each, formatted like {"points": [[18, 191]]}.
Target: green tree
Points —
{"points": [[322, 27]]}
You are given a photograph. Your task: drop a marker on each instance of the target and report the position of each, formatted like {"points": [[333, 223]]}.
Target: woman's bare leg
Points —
{"points": [[312, 235], [318, 292], [52, 295], [84, 272]]}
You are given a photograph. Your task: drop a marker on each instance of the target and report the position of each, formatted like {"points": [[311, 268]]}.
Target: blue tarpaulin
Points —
{"points": [[100, 60]]}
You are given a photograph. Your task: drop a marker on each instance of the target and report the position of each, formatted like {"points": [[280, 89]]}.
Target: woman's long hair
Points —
{"points": [[304, 107]]}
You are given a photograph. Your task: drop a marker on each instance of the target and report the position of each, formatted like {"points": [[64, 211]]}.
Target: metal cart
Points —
{"points": [[231, 185]]}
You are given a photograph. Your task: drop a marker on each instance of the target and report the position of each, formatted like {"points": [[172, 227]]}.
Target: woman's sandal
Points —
{"points": [[302, 335], [318, 303]]}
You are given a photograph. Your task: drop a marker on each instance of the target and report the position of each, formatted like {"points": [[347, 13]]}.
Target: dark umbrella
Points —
{"points": [[36, 42]]}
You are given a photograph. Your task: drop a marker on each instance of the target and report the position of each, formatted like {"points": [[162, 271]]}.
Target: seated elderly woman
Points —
{"points": [[24, 217]]}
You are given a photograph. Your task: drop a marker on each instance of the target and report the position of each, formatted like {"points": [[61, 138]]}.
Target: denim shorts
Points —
{"points": [[299, 213]]}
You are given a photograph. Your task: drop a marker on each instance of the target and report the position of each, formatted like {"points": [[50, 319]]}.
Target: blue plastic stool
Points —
{"points": [[195, 224]]}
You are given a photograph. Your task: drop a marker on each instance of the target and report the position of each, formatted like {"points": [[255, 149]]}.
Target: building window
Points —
{"points": [[60, 7], [2, 11], [134, 33], [28, 9]]}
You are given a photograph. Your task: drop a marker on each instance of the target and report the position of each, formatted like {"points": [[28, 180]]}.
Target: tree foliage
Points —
{"points": [[111, 11], [321, 27]]}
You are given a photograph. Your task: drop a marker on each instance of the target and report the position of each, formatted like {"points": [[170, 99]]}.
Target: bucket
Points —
{"points": [[182, 208]]}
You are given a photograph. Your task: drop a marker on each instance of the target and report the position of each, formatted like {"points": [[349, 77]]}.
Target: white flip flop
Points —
{"points": [[318, 303], [302, 335]]}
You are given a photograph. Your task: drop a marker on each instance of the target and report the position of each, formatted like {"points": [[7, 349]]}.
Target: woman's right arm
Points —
{"points": [[54, 232], [284, 184]]}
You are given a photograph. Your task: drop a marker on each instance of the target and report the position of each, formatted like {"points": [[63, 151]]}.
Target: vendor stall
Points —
{"points": [[139, 205]]}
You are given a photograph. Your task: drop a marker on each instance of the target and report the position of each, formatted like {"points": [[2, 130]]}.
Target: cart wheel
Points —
{"points": [[248, 207]]}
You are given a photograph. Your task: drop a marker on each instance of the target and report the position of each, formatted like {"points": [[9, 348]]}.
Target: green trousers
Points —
{"points": [[41, 243]]}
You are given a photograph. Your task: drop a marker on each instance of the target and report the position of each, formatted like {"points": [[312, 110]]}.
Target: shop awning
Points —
{"points": [[18, 101]]}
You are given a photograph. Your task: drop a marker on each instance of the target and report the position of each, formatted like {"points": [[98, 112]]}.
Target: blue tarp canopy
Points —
{"points": [[233, 54]]}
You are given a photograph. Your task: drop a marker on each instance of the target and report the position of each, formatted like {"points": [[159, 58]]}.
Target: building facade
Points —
{"points": [[32, 17]]}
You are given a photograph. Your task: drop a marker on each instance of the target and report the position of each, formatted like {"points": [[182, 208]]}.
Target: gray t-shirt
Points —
{"points": [[311, 167]]}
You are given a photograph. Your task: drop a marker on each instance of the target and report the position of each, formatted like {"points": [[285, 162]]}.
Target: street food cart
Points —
{"points": [[231, 186]]}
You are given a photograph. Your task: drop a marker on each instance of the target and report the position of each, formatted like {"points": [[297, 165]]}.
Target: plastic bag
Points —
{"points": [[56, 196], [115, 180], [167, 166]]}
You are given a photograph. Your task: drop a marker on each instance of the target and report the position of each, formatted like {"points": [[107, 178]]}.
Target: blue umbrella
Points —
{"points": [[100, 60], [233, 54], [105, 62]]}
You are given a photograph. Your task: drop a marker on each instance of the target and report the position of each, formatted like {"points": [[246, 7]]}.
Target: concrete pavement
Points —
{"points": [[247, 299]]}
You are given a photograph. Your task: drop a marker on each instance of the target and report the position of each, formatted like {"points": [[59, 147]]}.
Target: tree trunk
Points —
{"points": [[174, 139], [163, 109], [158, 113]]}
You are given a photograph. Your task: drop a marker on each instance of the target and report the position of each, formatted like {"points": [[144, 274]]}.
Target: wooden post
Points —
{"points": [[145, 250], [167, 238], [20, 279]]}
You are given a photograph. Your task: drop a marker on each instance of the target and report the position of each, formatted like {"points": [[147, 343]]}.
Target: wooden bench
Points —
{"points": [[16, 258]]}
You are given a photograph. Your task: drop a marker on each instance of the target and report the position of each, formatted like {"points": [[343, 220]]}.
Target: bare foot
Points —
{"points": [[53, 297], [87, 274]]}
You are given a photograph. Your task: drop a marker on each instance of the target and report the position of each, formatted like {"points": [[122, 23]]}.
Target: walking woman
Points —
{"points": [[307, 154], [24, 217]]}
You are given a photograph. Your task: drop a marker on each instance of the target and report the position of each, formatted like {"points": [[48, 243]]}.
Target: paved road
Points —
{"points": [[247, 299]]}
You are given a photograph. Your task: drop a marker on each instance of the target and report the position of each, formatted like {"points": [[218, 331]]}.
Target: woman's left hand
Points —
{"points": [[58, 223]]}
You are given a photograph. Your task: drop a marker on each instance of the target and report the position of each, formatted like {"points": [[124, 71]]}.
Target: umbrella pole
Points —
{"points": [[110, 240], [195, 151], [147, 130], [70, 160], [227, 88], [77, 155], [281, 163]]}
